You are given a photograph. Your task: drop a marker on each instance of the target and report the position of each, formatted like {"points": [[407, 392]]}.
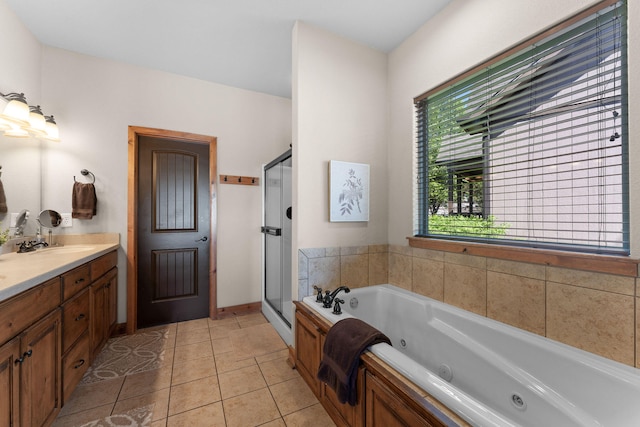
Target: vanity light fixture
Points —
{"points": [[16, 131], [37, 124], [19, 120], [51, 129], [16, 110], [4, 125]]}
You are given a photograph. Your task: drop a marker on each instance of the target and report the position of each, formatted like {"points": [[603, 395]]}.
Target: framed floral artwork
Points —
{"points": [[348, 192]]}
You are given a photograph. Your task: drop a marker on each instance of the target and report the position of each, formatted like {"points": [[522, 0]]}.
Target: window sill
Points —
{"points": [[623, 266]]}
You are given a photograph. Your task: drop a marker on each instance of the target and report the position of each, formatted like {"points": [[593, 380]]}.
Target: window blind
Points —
{"points": [[531, 149]]}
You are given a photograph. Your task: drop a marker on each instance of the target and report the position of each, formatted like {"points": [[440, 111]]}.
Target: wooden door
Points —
{"points": [[40, 385], [173, 230], [9, 384]]}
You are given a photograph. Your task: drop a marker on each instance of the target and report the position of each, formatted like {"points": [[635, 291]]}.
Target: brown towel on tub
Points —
{"points": [[3, 199], [83, 200], [345, 342]]}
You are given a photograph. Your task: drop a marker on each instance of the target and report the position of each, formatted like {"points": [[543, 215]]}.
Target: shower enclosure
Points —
{"points": [[277, 305]]}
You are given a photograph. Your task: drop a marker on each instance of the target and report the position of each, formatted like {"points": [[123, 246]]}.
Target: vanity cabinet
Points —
{"points": [[103, 300], [10, 384], [75, 341], [30, 330], [30, 375], [40, 391], [46, 342]]}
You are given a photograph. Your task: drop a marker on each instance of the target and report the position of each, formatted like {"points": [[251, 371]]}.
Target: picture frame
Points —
{"points": [[348, 191]]}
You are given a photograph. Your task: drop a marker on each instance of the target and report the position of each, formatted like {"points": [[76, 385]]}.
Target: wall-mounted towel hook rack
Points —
{"points": [[241, 180], [86, 172]]}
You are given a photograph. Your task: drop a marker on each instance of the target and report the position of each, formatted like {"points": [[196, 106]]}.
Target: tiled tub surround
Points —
{"points": [[354, 266], [596, 312]]}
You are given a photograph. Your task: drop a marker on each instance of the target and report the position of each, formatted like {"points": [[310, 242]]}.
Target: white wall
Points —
{"points": [[340, 113], [464, 34], [96, 100]]}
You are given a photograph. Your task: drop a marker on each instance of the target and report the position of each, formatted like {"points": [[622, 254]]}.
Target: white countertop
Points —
{"points": [[20, 272]]}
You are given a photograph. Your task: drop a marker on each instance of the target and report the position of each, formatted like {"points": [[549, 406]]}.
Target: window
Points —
{"points": [[530, 148]]}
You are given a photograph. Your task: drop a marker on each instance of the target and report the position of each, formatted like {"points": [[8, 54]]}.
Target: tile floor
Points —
{"points": [[231, 372]]}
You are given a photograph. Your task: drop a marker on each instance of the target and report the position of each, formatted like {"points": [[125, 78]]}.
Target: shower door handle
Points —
{"points": [[272, 231]]}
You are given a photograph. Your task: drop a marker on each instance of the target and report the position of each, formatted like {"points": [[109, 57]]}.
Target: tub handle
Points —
{"points": [[336, 308], [319, 295]]}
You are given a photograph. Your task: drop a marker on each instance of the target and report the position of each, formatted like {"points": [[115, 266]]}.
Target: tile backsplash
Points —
{"points": [[592, 311]]}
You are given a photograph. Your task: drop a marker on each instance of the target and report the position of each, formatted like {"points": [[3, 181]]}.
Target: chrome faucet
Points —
{"points": [[329, 297]]}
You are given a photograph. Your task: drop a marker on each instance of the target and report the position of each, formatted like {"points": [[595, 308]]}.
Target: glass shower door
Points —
{"points": [[277, 231]]}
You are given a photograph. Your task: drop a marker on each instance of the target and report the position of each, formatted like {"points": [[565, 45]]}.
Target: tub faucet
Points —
{"points": [[329, 297]]}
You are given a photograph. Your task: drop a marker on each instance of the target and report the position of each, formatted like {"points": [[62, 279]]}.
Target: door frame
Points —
{"points": [[132, 222]]}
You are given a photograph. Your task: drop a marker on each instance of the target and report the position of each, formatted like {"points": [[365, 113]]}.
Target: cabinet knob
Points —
{"points": [[80, 363], [80, 317], [19, 360], [79, 281], [27, 353]]}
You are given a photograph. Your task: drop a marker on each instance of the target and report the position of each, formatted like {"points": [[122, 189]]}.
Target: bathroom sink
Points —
{"points": [[59, 250]]}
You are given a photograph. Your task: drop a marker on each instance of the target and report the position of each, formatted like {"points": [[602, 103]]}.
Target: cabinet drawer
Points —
{"points": [[75, 319], [75, 280], [74, 365], [103, 264], [21, 311]]}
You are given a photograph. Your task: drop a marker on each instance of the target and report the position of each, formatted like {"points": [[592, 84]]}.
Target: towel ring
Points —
{"points": [[85, 172]]}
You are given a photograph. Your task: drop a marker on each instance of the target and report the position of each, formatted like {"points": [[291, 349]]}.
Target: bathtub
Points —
{"points": [[487, 372]]}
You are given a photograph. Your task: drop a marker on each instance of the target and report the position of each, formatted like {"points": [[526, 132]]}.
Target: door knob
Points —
{"points": [[203, 239]]}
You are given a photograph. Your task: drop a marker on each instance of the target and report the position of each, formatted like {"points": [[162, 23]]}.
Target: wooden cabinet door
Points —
{"points": [[97, 315], [103, 311], [112, 302], [308, 351], [10, 384], [343, 414], [40, 384], [386, 409]]}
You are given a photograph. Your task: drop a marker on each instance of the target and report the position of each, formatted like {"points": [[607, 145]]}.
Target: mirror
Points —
{"points": [[49, 218], [21, 221], [20, 159]]}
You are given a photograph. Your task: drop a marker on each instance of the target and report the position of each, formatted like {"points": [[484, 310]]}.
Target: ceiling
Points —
{"points": [[240, 43]]}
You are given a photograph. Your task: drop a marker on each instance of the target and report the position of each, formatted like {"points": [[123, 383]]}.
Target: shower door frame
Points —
{"points": [[281, 313]]}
